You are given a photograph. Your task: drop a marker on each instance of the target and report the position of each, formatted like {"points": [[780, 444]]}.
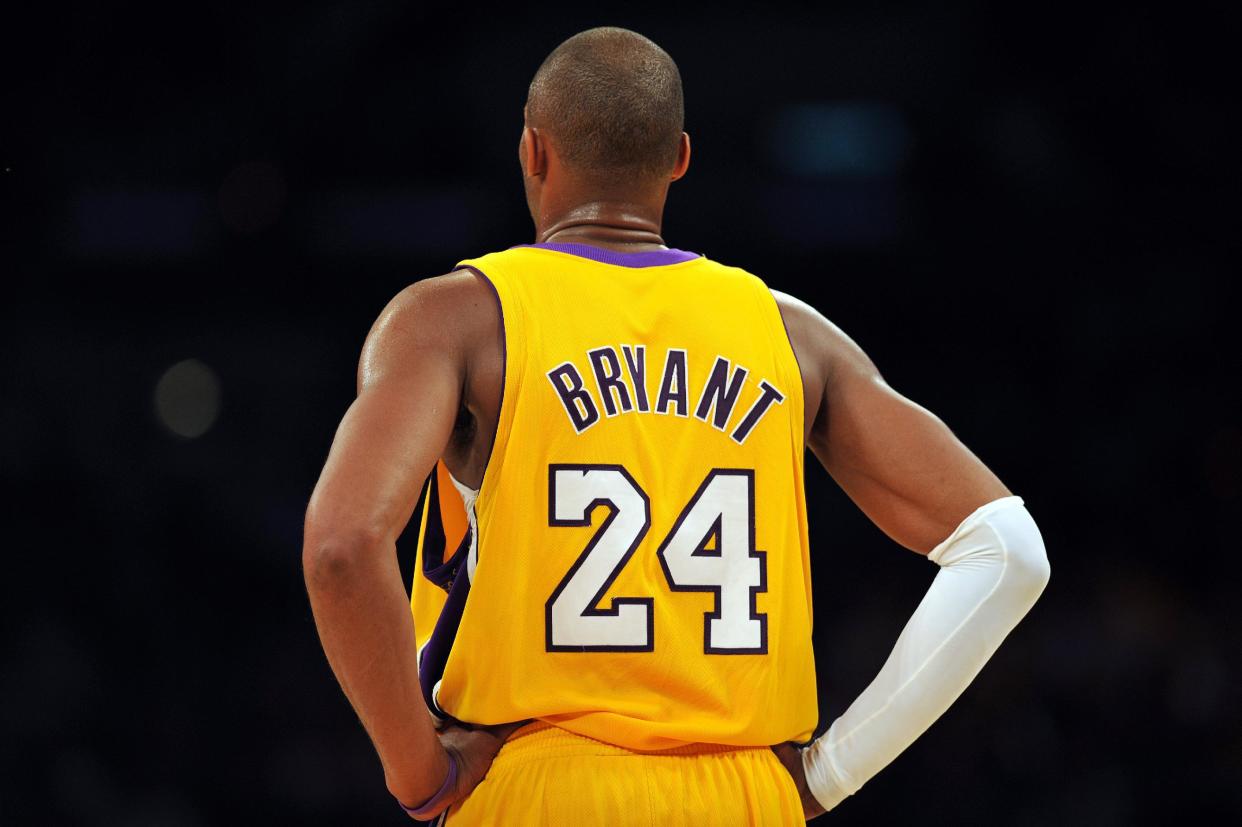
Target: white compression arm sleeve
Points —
{"points": [[993, 567]]}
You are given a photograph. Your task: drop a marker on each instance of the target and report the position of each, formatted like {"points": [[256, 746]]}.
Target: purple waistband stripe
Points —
{"points": [[642, 258]]}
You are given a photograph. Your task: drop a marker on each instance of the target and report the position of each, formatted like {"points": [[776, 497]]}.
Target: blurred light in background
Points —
{"points": [[187, 398], [810, 215], [840, 163], [142, 224], [164, 225], [867, 139], [397, 222], [252, 197]]}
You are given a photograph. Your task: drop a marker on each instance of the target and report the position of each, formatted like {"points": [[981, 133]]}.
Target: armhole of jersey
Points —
{"points": [[416, 599], [782, 342], [510, 341], [426, 598]]}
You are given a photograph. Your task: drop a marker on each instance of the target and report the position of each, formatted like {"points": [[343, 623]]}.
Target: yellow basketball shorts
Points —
{"points": [[547, 776]]}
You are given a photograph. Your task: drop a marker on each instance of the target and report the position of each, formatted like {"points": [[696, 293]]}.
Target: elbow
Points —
{"points": [[1026, 569], [332, 553], [1029, 565], [1035, 572]]}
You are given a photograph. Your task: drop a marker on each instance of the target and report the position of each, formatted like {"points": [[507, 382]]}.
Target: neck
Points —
{"points": [[613, 225]]}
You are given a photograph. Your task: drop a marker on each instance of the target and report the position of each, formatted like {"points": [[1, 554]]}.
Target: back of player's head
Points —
{"points": [[612, 101]]}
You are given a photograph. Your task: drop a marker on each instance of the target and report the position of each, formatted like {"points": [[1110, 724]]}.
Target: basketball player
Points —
{"points": [[626, 424]]}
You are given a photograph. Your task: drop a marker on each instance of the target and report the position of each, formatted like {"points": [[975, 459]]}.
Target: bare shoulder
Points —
{"points": [[446, 316], [449, 300], [813, 335], [825, 354]]}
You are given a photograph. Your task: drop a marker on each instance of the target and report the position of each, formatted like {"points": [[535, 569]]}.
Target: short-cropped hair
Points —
{"points": [[612, 101]]}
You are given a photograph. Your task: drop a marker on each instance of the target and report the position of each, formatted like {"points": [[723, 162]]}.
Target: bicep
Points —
{"points": [[392, 434], [895, 459]]}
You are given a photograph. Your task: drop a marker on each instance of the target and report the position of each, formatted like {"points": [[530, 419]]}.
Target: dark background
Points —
{"points": [[1026, 216]]}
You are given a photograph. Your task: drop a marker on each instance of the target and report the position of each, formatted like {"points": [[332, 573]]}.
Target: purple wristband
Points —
{"points": [[421, 812]]}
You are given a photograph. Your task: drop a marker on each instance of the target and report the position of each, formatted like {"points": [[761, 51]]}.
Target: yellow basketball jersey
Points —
{"points": [[635, 565]]}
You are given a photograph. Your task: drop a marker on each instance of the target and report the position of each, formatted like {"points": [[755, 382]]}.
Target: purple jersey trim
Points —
{"points": [[435, 654], [642, 258], [451, 574], [504, 357]]}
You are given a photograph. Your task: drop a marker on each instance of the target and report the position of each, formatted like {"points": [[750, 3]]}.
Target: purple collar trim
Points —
{"points": [[645, 258]]}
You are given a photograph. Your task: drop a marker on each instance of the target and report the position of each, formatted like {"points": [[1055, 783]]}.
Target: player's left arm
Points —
{"points": [[410, 381], [909, 473]]}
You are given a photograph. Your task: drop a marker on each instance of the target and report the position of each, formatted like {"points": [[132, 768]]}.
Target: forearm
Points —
{"points": [[993, 568], [367, 632]]}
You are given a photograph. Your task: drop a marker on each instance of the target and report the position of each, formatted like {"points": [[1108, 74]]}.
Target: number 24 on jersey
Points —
{"points": [[722, 509]]}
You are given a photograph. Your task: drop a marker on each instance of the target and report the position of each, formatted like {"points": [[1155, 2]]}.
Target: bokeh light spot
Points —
{"points": [[187, 399], [858, 139]]}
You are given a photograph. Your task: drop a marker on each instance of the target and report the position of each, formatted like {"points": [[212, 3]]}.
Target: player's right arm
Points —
{"points": [[412, 378], [920, 485]]}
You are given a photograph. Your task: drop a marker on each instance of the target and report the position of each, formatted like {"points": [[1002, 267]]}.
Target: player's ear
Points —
{"points": [[683, 158], [533, 152]]}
